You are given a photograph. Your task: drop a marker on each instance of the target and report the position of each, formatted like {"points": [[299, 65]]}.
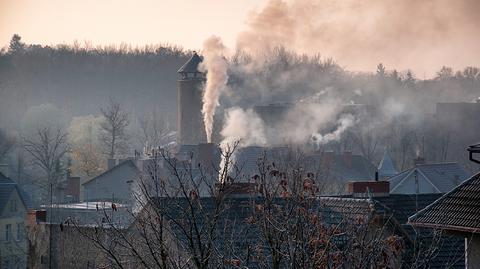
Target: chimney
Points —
{"points": [[41, 216], [5, 169], [111, 163], [207, 156], [347, 157], [419, 160], [368, 188]]}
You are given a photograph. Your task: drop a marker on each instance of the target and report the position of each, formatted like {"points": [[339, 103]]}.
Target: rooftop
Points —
{"points": [[191, 66], [457, 210]]}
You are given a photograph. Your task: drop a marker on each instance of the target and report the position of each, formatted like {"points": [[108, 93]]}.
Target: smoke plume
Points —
{"points": [[345, 122], [361, 34], [244, 126], [215, 64]]}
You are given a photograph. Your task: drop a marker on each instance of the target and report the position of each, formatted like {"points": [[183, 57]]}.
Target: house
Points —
{"points": [[13, 208], [446, 251], [115, 184], [428, 178], [458, 213]]}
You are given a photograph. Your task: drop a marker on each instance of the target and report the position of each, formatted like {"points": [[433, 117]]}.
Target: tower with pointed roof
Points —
{"points": [[191, 130], [386, 168]]}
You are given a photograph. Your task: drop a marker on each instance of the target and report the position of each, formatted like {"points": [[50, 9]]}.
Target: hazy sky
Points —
{"points": [[403, 34], [183, 22]]}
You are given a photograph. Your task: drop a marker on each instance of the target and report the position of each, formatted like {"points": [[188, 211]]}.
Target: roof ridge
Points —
{"points": [[111, 169]]}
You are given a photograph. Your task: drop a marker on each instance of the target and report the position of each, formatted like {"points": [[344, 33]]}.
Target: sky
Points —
{"points": [[402, 34], [184, 22]]}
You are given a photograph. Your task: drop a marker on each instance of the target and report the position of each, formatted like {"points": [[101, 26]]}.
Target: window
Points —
{"points": [[43, 259], [19, 231], [8, 232], [6, 264]]}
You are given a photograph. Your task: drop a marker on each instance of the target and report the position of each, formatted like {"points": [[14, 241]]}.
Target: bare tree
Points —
{"points": [[155, 129], [113, 129], [47, 148], [174, 226]]}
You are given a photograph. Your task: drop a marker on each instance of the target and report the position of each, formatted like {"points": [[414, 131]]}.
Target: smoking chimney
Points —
{"points": [[190, 88]]}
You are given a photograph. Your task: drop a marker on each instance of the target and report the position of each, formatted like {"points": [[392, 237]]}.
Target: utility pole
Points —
{"points": [[51, 228]]}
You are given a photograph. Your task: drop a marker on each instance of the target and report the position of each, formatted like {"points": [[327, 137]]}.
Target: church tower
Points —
{"points": [[191, 129]]}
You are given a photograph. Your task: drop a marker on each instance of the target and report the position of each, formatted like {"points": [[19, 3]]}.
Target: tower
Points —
{"points": [[191, 128]]}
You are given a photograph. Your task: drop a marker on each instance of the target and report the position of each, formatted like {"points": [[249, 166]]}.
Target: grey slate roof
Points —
{"points": [[443, 177], [126, 162], [386, 168], [450, 251], [458, 210], [191, 66]]}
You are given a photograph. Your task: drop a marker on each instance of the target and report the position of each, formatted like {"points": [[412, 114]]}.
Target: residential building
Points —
{"points": [[62, 236], [428, 178], [13, 208], [115, 184], [457, 212]]}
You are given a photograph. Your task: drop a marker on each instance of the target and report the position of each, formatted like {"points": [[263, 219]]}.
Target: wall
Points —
{"points": [[70, 249], [112, 184], [13, 251], [472, 254]]}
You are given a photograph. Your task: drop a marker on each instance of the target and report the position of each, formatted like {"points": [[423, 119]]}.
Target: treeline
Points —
{"points": [[78, 79]]}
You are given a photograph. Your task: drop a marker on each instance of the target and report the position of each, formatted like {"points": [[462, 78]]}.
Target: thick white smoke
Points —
{"points": [[361, 34], [243, 126], [345, 122], [215, 64]]}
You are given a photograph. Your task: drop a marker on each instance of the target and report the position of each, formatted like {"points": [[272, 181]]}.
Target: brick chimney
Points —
{"points": [[208, 157], [368, 188]]}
